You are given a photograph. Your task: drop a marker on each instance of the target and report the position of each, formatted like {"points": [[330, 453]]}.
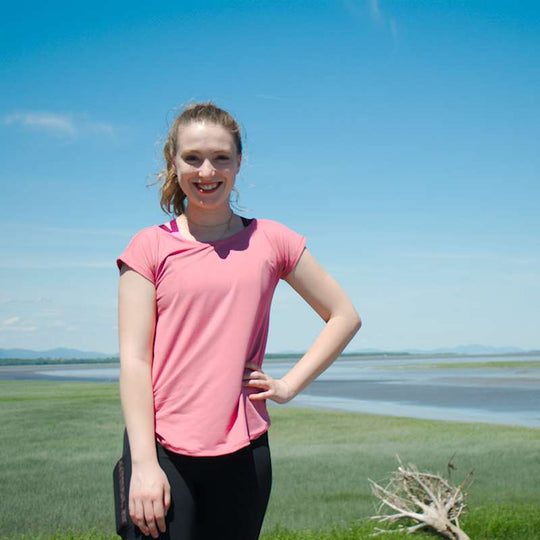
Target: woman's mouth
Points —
{"points": [[208, 187]]}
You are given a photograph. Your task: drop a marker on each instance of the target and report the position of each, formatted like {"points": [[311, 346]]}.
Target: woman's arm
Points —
{"points": [[149, 493], [329, 300]]}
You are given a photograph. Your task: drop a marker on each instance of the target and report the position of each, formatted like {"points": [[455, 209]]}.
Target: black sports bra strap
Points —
{"points": [[174, 226]]}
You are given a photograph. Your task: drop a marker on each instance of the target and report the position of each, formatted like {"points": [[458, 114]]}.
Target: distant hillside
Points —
{"points": [[59, 353], [469, 349], [63, 353], [459, 350]]}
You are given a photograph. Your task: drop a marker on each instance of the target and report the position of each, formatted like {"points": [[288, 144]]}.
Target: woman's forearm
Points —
{"points": [[331, 341], [138, 407]]}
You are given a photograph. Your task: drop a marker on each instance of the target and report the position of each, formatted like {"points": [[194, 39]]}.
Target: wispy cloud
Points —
{"points": [[393, 29], [474, 256], [271, 97], [10, 321], [85, 230], [15, 324], [66, 125], [37, 300], [46, 265], [374, 9], [55, 123], [60, 325], [357, 8]]}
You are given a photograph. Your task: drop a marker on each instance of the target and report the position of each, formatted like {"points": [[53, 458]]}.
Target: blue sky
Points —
{"points": [[402, 138]]}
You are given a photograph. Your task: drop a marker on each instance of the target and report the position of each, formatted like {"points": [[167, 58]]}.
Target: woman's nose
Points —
{"points": [[207, 169]]}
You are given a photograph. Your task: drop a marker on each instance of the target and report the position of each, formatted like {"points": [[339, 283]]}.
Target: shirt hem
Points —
{"points": [[229, 450]]}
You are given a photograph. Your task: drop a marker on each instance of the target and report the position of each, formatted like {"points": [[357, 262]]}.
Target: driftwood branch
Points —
{"points": [[427, 500]]}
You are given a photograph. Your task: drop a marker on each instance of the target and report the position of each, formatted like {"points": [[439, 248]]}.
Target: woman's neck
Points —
{"points": [[208, 218]]}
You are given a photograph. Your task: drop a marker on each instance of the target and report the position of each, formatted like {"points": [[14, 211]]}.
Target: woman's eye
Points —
{"points": [[190, 158], [223, 158]]}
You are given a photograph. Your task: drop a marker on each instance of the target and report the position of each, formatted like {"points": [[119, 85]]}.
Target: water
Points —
{"points": [[398, 386]]}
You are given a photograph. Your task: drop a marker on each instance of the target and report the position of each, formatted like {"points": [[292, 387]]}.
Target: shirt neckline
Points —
{"points": [[178, 234]]}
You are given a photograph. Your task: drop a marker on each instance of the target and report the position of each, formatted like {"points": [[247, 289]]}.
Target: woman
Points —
{"points": [[194, 302]]}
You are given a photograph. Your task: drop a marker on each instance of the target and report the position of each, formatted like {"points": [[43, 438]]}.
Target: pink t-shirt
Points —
{"points": [[213, 306]]}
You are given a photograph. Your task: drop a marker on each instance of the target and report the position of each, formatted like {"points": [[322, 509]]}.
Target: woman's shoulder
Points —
{"points": [[145, 234], [271, 226]]}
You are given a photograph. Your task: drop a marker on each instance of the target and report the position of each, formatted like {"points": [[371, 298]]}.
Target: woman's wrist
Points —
{"points": [[290, 393]]}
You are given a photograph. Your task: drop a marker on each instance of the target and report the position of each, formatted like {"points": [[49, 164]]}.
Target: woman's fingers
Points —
{"points": [[159, 515], [137, 515], [150, 518], [259, 396], [274, 389], [167, 499], [251, 370]]}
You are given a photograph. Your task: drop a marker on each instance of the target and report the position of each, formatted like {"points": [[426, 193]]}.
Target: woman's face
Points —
{"points": [[206, 164]]}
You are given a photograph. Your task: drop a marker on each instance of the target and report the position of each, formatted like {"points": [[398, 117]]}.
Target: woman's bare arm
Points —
{"points": [[149, 489], [330, 301]]}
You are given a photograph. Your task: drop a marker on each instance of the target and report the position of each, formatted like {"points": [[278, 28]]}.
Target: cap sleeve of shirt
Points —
{"points": [[141, 254], [289, 245]]}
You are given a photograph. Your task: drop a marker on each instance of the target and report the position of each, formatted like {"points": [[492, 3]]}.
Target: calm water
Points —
{"points": [[401, 387]]}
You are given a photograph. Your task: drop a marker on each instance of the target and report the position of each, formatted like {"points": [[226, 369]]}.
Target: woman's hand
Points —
{"points": [[275, 389], [149, 498]]}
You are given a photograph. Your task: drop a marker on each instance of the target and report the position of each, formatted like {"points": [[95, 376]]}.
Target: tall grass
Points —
{"points": [[60, 441]]}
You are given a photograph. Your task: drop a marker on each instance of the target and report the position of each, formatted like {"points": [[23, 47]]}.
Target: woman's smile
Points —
{"points": [[207, 187]]}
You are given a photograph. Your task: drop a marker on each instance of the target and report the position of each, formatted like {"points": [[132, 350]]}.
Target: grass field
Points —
{"points": [[60, 441]]}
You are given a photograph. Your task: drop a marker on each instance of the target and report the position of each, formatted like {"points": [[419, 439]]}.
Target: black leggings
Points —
{"points": [[222, 497]]}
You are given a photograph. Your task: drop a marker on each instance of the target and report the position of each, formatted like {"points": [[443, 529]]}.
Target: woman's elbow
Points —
{"points": [[356, 321]]}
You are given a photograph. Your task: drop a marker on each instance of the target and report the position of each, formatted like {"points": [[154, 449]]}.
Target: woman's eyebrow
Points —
{"points": [[213, 151]]}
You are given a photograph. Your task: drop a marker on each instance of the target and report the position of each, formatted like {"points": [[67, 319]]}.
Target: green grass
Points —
{"points": [[60, 441]]}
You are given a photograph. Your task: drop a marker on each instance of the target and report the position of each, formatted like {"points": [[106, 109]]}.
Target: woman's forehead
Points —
{"points": [[204, 134]]}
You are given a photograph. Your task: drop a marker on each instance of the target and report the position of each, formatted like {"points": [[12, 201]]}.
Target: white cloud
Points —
{"points": [[52, 229], [101, 127], [81, 230], [59, 124], [23, 329], [474, 256], [357, 8], [59, 324], [374, 9], [393, 29], [12, 324], [56, 123], [46, 265], [10, 321], [271, 97]]}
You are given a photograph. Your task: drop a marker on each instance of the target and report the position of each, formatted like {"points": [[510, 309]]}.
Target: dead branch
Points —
{"points": [[426, 499]]}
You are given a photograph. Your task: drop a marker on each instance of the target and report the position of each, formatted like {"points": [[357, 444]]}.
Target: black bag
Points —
{"points": [[121, 500]]}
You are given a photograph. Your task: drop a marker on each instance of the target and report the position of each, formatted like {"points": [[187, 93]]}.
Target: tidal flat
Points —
{"points": [[61, 439]]}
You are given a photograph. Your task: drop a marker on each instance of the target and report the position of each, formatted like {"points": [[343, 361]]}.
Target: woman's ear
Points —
{"points": [[239, 163]]}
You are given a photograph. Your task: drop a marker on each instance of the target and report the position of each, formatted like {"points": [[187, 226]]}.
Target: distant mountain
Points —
{"points": [[59, 353], [461, 349], [75, 354], [469, 349]]}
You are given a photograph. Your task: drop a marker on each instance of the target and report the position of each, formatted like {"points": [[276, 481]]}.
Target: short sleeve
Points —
{"points": [[290, 245], [141, 254]]}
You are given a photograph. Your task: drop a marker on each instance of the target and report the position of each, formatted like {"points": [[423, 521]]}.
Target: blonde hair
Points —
{"points": [[172, 197]]}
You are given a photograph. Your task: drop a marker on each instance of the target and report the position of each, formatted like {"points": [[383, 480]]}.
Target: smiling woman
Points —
{"points": [[194, 305]]}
